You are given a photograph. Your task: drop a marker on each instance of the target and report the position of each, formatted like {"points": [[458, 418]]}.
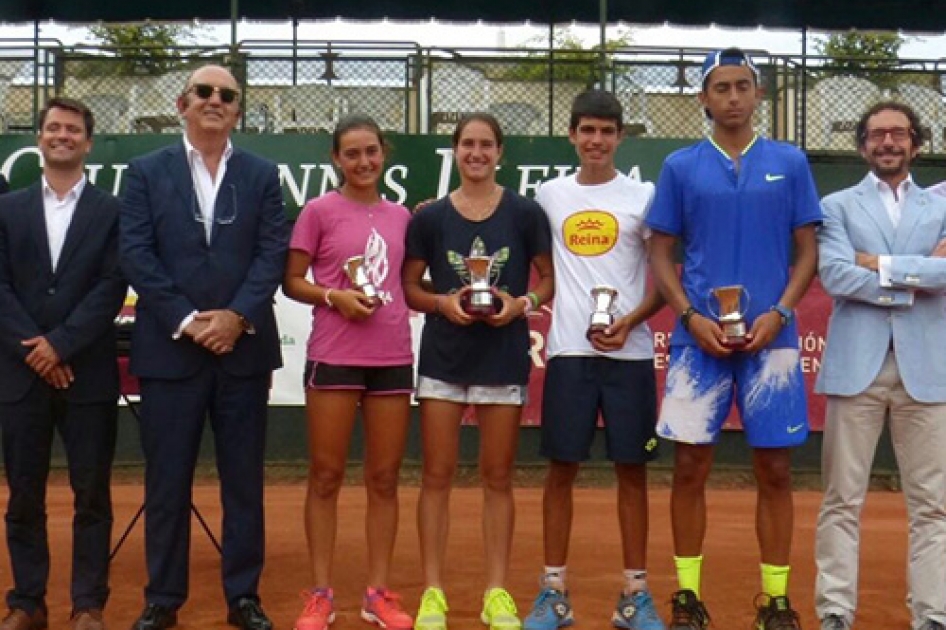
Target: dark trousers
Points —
{"points": [[173, 414], [88, 432]]}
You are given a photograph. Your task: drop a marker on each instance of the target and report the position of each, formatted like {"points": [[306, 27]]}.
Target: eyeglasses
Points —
{"points": [[205, 91], [898, 134], [228, 211]]}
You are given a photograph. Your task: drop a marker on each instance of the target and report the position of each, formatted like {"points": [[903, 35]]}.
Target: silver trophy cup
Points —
{"points": [[731, 304], [354, 268], [480, 297], [605, 301]]}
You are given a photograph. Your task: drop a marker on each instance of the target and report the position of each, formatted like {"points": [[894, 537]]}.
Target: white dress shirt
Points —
{"points": [[893, 204], [206, 187], [59, 212], [893, 201]]}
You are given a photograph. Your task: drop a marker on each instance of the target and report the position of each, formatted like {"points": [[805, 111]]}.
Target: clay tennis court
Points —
{"points": [[730, 577]]}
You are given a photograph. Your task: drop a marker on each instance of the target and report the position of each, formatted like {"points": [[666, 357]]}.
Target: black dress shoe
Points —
{"points": [[247, 614], [155, 617]]}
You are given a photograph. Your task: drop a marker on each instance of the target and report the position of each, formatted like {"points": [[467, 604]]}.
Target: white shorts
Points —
{"points": [[434, 389]]}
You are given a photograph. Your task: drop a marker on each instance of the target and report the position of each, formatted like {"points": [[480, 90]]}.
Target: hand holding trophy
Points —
{"points": [[729, 305], [605, 301], [354, 268]]}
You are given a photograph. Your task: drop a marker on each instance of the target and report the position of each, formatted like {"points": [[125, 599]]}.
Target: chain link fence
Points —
{"points": [[306, 88]]}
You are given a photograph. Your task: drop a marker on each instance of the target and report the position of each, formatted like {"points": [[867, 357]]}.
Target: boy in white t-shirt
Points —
{"points": [[599, 240]]}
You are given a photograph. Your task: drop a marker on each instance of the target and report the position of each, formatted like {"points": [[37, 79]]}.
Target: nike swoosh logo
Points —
{"points": [[769, 177], [796, 428]]}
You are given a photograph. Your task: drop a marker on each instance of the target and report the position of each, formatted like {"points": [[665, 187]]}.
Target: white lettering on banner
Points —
{"points": [[297, 179], [810, 364], [661, 339], [92, 171], [119, 172], [562, 170], [537, 348], [635, 173], [299, 193], [11, 160], [394, 184], [525, 183], [118, 169], [809, 342], [446, 165], [328, 182]]}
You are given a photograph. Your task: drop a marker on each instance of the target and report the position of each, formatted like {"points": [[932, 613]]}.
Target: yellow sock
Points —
{"points": [[688, 573], [775, 580]]}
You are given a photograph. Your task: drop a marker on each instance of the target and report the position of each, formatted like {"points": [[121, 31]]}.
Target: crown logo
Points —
{"points": [[589, 224]]}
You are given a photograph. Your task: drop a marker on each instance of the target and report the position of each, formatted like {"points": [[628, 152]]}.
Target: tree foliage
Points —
{"points": [[142, 49], [570, 59], [872, 55], [855, 52]]}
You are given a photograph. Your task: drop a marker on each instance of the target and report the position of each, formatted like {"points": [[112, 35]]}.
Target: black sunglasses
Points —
{"points": [[205, 91]]}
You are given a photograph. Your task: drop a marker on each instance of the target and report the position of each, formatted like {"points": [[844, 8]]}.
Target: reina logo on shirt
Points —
{"points": [[590, 233]]}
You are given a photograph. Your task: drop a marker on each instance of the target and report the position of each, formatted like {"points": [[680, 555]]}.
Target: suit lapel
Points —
{"points": [[870, 201], [38, 226], [82, 218], [912, 209], [180, 173]]}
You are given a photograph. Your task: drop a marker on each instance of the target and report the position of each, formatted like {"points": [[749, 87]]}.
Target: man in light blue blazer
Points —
{"points": [[882, 251]]}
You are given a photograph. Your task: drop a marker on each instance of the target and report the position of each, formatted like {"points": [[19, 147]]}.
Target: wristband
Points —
{"points": [[534, 299], [685, 316], [327, 298]]}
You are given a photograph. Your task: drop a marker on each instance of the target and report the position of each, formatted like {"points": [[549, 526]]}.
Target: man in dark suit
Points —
{"points": [[60, 290], [203, 242]]}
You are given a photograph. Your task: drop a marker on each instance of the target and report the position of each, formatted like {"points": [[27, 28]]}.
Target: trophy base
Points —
{"points": [[735, 335], [595, 328], [482, 311], [371, 293], [479, 307]]}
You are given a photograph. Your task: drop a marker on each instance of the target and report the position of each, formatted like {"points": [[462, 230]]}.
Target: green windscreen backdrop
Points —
{"points": [[418, 168]]}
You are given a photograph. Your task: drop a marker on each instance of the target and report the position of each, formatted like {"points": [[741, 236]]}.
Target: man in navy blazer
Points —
{"points": [[882, 254], [60, 291], [203, 242]]}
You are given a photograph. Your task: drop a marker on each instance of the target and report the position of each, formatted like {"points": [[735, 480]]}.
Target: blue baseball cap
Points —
{"points": [[727, 57]]}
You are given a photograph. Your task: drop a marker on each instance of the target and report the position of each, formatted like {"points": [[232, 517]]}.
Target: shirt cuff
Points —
{"points": [[184, 324], [883, 270]]}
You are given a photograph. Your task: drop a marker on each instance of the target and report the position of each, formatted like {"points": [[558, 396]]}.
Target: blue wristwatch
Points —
{"points": [[786, 314]]}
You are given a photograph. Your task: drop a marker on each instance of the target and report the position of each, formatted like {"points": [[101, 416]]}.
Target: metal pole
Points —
{"points": [[295, 51], [603, 54], [35, 73], [234, 16], [803, 139], [551, 74]]}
